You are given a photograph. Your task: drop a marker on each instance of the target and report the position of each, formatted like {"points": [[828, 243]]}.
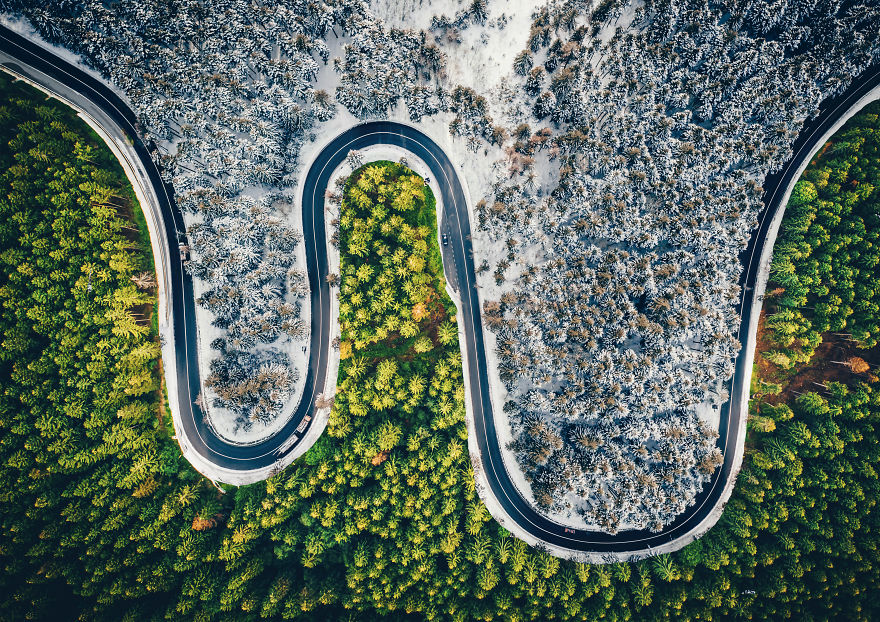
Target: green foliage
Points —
{"points": [[828, 252], [91, 479], [100, 519], [803, 193], [392, 279]]}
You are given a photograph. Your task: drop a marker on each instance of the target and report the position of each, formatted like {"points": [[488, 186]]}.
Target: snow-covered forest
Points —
{"points": [[224, 92], [225, 95], [662, 120], [631, 140]]}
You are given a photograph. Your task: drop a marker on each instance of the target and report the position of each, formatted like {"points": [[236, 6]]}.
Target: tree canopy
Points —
{"points": [[826, 259], [102, 520]]}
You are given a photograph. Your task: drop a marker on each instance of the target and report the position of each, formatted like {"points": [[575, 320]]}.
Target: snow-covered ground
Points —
{"points": [[223, 421], [24, 28], [482, 55], [414, 13]]}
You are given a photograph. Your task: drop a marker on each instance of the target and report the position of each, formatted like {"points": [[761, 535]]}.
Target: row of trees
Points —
{"points": [[623, 327], [84, 443]]}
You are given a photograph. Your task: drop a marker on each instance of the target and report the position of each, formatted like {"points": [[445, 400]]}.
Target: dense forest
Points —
{"points": [[100, 518], [619, 333], [826, 260], [625, 159], [85, 446]]}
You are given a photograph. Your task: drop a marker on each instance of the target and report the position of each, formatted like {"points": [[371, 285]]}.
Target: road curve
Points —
{"points": [[81, 89], [455, 222], [458, 262]]}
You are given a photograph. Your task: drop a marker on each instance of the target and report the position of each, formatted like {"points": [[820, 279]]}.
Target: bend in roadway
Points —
{"points": [[456, 223], [52, 73]]}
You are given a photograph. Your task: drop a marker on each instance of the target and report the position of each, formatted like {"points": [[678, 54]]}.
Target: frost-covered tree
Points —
{"points": [[382, 65], [254, 385], [616, 342], [225, 96]]}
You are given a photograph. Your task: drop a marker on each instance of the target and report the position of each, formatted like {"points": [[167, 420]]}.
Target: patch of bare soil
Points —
{"points": [[835, 360]]}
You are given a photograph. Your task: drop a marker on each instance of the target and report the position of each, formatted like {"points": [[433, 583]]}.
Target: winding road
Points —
{"points": [[23, 57], [33, 62]]}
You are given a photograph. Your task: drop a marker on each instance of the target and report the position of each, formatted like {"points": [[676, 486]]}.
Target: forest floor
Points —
{"points": [[826, 365]]}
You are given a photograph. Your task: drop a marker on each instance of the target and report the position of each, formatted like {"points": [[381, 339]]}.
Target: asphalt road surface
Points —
{"points": [[459, 267], [35, 61]]}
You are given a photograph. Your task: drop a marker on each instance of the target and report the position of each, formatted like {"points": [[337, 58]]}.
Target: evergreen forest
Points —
{"points": [[101, 519], [616, 150], [826, 258]]}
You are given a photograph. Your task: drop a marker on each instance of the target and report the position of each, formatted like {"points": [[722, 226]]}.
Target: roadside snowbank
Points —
{"points": [[24, 28]]}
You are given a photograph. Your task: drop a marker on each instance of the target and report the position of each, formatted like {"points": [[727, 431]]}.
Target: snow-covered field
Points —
{"points": [[479, 56]]}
